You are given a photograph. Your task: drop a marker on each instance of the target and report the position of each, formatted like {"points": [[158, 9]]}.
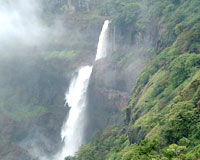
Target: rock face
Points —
{"points": [[39, 135], [107, 95], [43, 138], [29, 83], [8, 147], [14, 152]]}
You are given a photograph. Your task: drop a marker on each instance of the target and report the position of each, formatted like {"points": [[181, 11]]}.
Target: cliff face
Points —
{"points": [[113, 77], [107, 95]]}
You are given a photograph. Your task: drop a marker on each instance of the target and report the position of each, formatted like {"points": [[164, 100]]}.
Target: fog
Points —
{"points": [[22, 25], [24, 31], [19, 21]]}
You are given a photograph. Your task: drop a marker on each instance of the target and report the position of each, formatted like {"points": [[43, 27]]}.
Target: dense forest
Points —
{"points": [[149, 84]]}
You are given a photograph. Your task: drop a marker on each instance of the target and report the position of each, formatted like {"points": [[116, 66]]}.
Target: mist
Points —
{"points": [[19, 21], [22, 25], [24, 31]]}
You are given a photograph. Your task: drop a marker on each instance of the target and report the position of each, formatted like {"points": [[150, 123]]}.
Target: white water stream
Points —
{"points": [[72, 130], [103, 41]]}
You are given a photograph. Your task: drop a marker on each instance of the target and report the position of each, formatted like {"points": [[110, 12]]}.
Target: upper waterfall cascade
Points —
{"points": [[73, 128], [103, 42]]}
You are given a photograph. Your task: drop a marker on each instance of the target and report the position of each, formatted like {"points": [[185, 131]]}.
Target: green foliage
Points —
{"points": [[190, 40], [19, 112], [69, 158], [102, 144], [175, 152], [183, 67], [123, 14], [144, 79], [184, 142], [178, 18], [120, 11], [69, 55], [194, 153], [181, 120], [127, 113], [146, 149]]}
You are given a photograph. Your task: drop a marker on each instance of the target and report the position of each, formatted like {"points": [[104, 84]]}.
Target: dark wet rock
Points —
{"points": [[14, 152], [107, 95]]}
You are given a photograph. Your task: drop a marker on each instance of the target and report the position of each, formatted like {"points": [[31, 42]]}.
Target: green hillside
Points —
{"points": [[162, 118]]}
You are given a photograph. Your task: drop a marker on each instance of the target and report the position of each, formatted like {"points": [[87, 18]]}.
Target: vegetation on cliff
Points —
{"points": [[162, 117]]}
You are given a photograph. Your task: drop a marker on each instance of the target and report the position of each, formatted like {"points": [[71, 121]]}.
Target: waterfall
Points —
{"points": [[102, 45], [72, 130]]}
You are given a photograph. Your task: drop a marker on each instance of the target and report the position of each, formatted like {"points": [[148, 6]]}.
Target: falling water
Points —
{"points": [[72, 131], [102, 45]]}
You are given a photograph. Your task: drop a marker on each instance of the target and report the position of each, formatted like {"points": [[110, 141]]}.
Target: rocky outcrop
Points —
{"points": [[107, 95]]}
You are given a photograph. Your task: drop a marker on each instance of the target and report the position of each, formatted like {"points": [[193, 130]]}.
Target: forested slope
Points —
{"points": [[162, 119]]}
